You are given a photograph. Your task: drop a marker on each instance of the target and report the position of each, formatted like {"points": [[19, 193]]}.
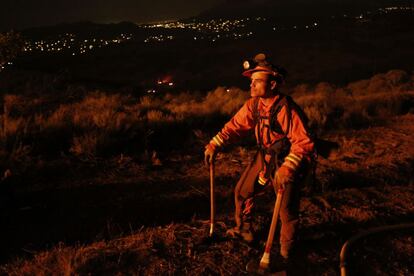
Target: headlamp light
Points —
{"points": [[259, 60], [249, 64]]}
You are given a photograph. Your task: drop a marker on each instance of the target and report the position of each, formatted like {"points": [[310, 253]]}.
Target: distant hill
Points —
{"points": [[337, 50], [83, 27], [285, 10]]}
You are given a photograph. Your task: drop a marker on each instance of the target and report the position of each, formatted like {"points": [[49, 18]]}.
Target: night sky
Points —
{"points": [[18, 14]]}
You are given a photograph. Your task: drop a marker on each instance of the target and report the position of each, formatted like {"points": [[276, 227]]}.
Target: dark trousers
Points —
{"points": [[248, 189]]}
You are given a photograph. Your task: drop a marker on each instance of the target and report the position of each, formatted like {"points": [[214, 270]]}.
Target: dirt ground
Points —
{"points": [[123, 217]]}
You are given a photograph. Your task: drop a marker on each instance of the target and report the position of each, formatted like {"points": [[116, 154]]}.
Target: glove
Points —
{"points": [[210, 153], [284, 176]]}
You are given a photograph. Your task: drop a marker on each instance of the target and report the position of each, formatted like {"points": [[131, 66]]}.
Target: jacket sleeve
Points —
{"points": [[238, 126], [302, 144]]}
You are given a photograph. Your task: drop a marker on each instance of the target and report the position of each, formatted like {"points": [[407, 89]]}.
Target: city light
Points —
{"points": [[69, 41], [209, 31]]}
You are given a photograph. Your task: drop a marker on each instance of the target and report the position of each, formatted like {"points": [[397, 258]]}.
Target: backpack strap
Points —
{"points": [[257, 119], [274, 111], [274, 125], [255, 111]]}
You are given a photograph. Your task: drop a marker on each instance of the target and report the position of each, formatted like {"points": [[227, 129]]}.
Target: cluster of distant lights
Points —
{"points": [[69, 42], [161, 84], [2, 66], [380, 10], [388, 9], [214, 38], [158, 38], [217, 29], [214, 29], [214, 25]]}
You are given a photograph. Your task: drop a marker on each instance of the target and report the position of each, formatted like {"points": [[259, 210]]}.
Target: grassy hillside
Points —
{"points": [[104, 125], [122, 221], [101, 190]]}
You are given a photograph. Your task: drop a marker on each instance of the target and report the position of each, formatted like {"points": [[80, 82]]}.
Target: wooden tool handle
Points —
{"points": [[264, 262], [212, 203]]}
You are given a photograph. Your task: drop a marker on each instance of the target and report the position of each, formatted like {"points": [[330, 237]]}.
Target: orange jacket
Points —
{"points": [[302, 145]]}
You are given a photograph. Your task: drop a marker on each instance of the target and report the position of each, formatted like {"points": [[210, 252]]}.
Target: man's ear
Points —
{"points": [[273, 84]]}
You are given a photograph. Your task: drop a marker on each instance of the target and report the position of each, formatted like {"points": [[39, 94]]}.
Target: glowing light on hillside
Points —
{"points": [[68, 41]]}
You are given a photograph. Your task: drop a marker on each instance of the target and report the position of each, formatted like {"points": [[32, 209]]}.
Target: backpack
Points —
{"points": [[274, 125], [280, 149]]}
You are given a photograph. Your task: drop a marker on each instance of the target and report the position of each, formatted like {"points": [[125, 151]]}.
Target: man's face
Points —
{"points": [[261, 85]]}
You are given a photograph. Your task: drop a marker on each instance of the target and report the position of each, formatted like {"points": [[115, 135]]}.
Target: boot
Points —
{"points": [[244, 232]]}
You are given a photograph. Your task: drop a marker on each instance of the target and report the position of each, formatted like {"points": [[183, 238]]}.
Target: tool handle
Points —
{"points": [[212, 201], [264, 262]]}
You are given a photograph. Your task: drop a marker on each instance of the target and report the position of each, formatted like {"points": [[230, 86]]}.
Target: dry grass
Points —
{"points": [[359, 103], [100, 119], [354, 197], [357, 214], [182, 249], [170, 250], [101, 124]]}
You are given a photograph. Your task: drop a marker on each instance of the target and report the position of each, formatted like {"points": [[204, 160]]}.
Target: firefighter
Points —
{"points": [[285, 150]]}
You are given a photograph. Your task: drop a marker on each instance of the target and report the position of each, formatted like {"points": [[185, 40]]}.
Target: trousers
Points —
{"points": [[248, 189]]}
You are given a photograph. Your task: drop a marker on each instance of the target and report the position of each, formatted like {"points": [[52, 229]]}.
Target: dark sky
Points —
{"points": [[20, 14]]}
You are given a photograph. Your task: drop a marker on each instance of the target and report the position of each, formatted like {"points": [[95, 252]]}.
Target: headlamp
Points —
{"points": [[260, 63], [249, 64]]}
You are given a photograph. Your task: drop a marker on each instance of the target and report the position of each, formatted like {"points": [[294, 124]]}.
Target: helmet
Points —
{"points": [[259, 63]]}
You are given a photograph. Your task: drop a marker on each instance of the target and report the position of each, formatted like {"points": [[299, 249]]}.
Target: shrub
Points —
{"points": [[100, 123], [220, 100], [359, 103]]}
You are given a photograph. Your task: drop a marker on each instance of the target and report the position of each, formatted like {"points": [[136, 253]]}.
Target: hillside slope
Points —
{"points": [[367, 182]]}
